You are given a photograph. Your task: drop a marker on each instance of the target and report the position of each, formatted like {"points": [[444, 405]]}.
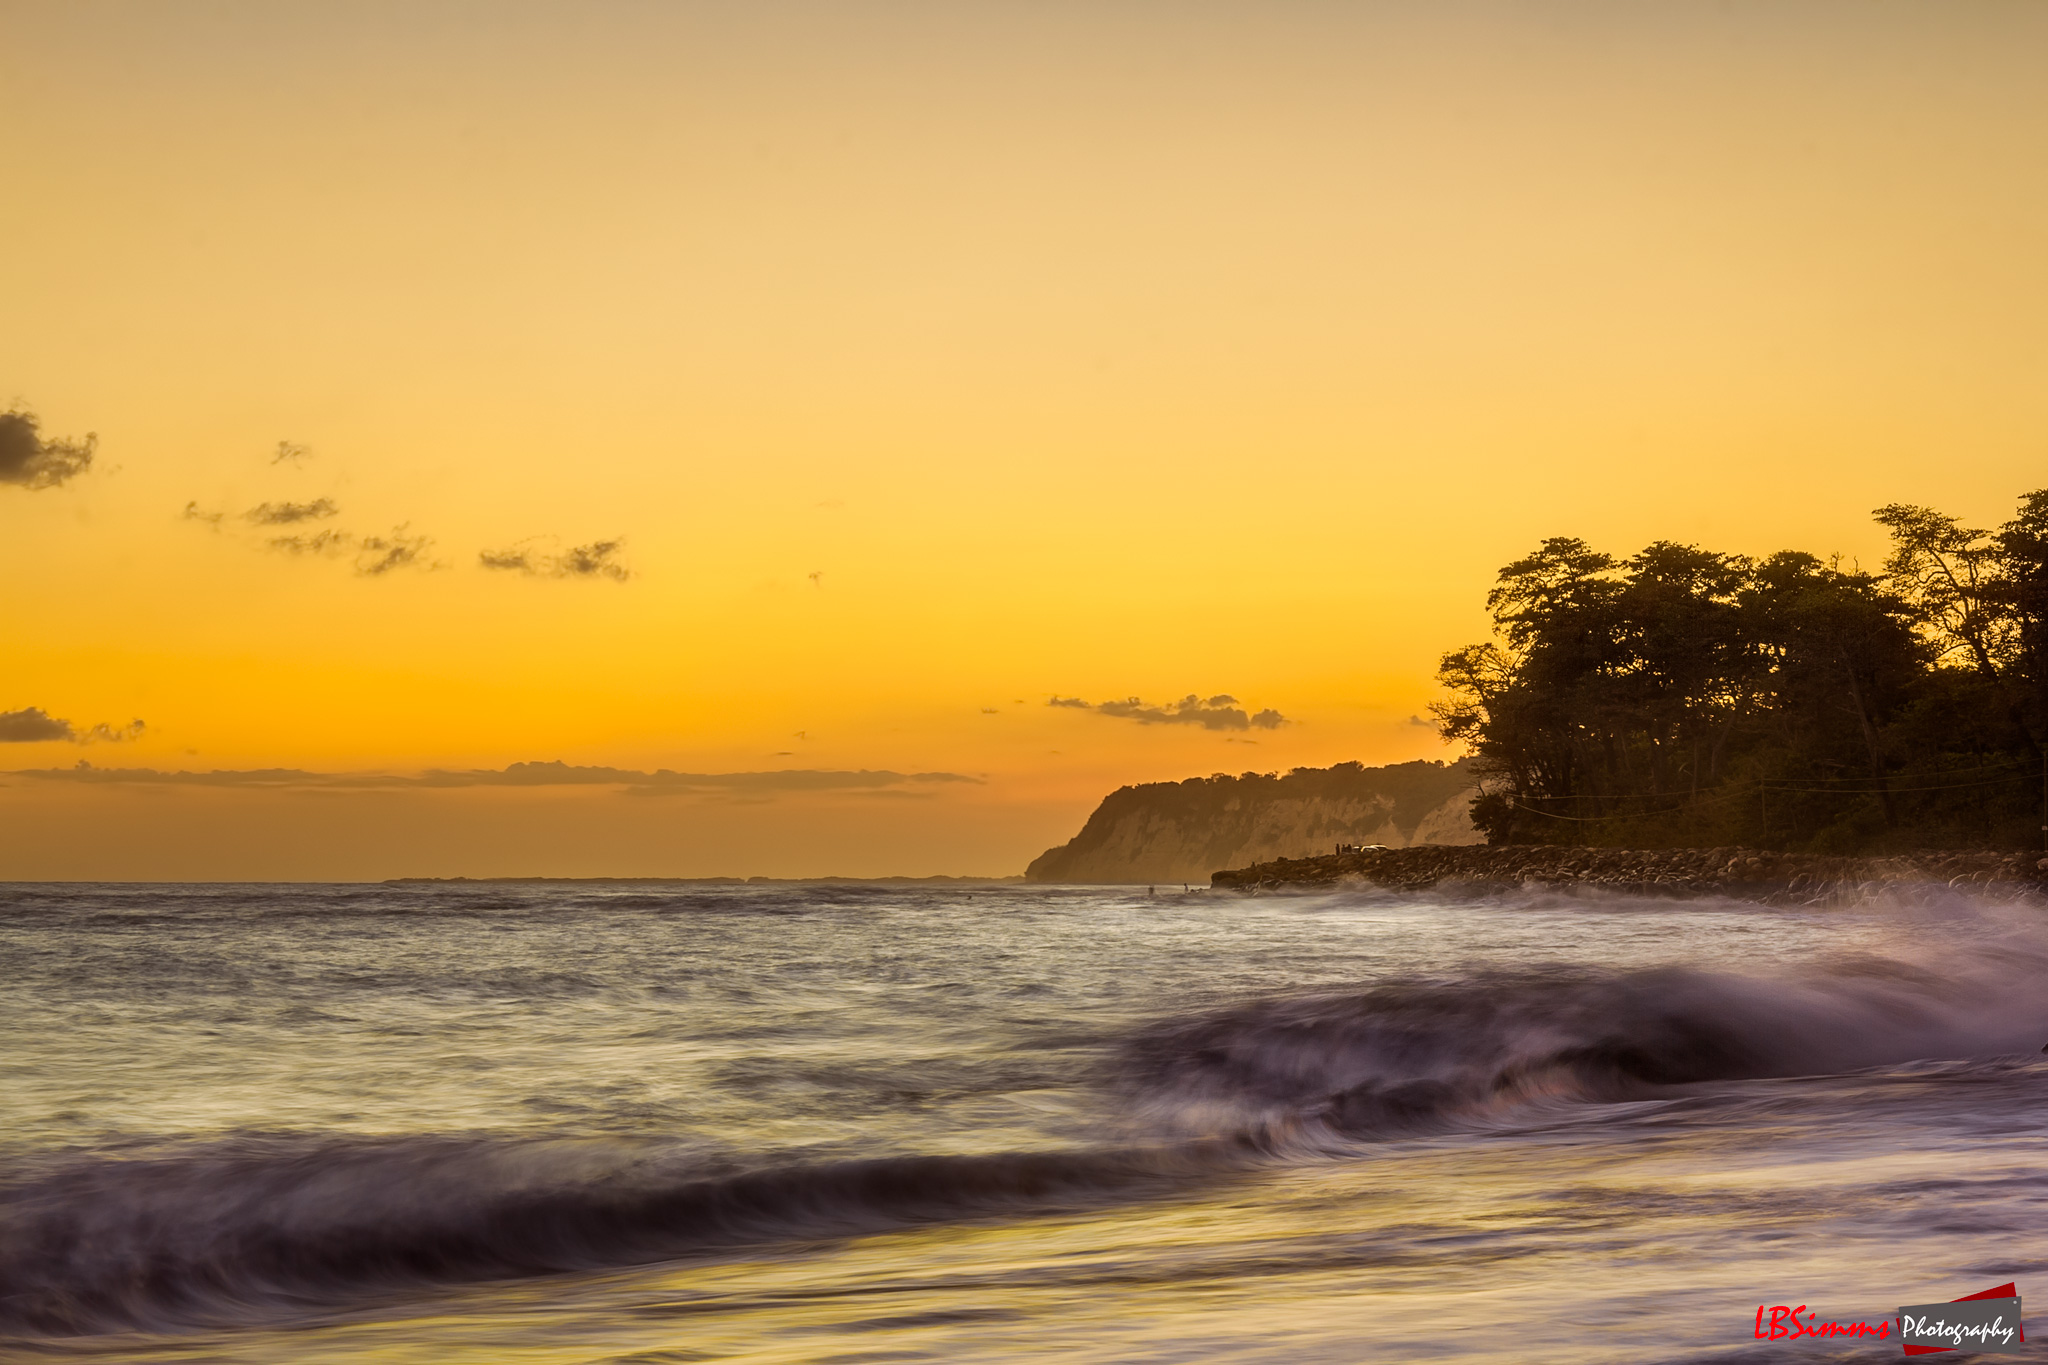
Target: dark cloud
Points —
{"points": [[29, 461], [289, 452], [598, 559], [1220, 712], [34, 725], [193, 512], [288, 513], [31, 726], [595, 560], [544, 774]]}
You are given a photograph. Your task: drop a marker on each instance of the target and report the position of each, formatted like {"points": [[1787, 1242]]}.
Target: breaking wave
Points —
{"points": [[1421, 1055], [259, 1227]]}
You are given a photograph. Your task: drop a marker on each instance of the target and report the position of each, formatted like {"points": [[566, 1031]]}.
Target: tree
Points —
{"points": [[1948, 574], [1840, 644], [1684, 694], [2023, 595]]}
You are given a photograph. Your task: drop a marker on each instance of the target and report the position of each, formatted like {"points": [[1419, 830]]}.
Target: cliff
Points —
{"points": [[1183, 831]]}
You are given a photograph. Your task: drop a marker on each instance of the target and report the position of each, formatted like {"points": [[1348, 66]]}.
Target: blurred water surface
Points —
{"points": [[563, 1123]]}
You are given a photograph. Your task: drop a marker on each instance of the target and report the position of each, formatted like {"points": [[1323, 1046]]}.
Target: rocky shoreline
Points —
{"points": [[1747, 872]]}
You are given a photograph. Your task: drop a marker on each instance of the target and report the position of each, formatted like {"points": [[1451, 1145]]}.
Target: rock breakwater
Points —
{"points": [[1747, 872]]}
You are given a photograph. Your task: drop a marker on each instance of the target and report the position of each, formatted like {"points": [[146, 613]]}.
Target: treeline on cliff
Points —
{"points": [[1687, 697]]}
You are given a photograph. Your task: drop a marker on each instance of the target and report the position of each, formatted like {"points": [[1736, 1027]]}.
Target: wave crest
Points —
{"points": [[1417, 1055]]}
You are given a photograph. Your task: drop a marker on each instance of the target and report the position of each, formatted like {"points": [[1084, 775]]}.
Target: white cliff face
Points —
{"points": [[1168, 833], [1450, 823]]}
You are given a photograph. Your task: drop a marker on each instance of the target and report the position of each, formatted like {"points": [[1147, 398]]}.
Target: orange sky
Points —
{"points": [[931, 361]]}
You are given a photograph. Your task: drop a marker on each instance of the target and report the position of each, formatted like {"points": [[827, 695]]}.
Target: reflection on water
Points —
{"points": [[557, 1124]]}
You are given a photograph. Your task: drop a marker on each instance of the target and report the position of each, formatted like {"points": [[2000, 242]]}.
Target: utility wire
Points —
{"points": [[2028, 764], [1523, 803]]}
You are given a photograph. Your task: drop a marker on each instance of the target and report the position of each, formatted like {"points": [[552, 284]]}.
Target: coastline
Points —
{"points": [[936, 880], [1747, 872]]}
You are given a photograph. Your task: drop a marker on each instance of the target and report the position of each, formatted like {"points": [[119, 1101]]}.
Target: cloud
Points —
{"points": [[104, 733], [379, 555], [29, 461], [319, 543], [598, 559], [593, 561], [290, 452], [287, 513], [553, 773], [33, 725], [1220, 712], [374, 556], [662, 779]]}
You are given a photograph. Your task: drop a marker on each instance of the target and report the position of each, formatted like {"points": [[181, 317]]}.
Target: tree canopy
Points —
{"points": [[1684, 696]]}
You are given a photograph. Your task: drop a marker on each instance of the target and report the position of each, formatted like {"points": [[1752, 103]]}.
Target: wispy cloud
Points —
{"points": [[28, 460], [373, 556], [287, 513], [290, 452], [33, 725], [379, 555], [1220, 712], [319, 543], [543, 774], [598, 559]]}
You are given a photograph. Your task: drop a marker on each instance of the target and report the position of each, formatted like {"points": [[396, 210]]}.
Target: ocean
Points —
{"points": [[556, 1122]]}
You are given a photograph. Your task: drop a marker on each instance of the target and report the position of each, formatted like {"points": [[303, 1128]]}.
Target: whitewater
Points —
{"points": [[557, 1122]]}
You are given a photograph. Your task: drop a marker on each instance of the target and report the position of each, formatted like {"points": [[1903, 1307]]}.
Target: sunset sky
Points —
{"points": [[834, 386]]}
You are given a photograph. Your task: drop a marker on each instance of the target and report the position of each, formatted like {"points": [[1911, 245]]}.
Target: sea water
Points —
{"points": [[545, 1123]]}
